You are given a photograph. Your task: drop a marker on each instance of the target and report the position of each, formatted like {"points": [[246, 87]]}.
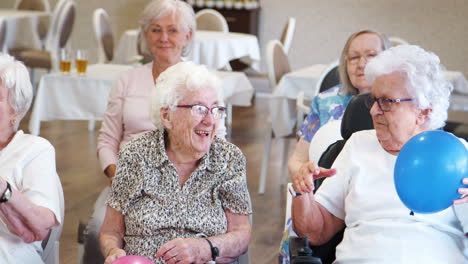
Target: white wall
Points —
{"points": [[322, 25]]}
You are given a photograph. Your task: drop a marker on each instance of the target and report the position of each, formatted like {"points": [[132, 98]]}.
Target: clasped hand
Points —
{"points": [[185, 251], [303, 180]]}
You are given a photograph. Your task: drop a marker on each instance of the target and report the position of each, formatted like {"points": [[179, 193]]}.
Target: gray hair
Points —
{"points": [[14, 77], [348, 87], [159, 8], [427, 84], [176, 81]]}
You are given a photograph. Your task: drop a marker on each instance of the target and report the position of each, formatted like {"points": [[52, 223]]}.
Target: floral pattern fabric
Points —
{"points": [[326, 106]]}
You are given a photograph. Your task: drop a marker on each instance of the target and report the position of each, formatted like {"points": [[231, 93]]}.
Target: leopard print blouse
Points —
{"points": [[156, 209]]}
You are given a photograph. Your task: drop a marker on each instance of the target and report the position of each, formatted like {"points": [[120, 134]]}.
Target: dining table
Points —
{"points": [[283, 102], [84, 97], [22, 28], [211, 48]]}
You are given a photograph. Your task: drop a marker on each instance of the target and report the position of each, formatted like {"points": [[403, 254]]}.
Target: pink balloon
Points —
{"points": [[131, 259]]}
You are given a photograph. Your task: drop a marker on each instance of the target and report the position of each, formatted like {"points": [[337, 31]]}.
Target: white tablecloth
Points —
{"points": [[72, 97], [283, 105], [214, 49], [22, 28]]}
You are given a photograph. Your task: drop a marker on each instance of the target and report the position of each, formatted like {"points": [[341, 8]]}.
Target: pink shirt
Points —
{"points": [[128, 113]]}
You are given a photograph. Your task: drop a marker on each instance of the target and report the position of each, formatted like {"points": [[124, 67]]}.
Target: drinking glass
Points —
{"points": [[65, 61], [81, 61]]}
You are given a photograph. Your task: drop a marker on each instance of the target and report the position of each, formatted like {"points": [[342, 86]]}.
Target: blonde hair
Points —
{"points": [[348, 87]]}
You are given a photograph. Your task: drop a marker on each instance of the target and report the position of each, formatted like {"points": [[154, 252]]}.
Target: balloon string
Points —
{"points": [[411, 213]]}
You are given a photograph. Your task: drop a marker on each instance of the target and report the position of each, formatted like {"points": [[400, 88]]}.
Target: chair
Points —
{"points": [[36, 5], [395, 41], [277, 65], [288, 34], [356, 118], [48, 58], [104, 35], [328, 79], [3, 32], [212, 20], [51, 245], [53, 25]]}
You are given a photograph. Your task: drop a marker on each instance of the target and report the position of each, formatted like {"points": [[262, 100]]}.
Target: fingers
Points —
{"points": [[303, 180], [462, 200], [325, 173], [164, 250], [110, 259]]}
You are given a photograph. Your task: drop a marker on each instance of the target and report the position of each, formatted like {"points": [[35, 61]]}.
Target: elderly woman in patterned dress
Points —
{"points": [[180, 192]]}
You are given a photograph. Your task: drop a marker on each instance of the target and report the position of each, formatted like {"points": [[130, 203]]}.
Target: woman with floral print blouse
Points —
{"points": [[180, 193]]}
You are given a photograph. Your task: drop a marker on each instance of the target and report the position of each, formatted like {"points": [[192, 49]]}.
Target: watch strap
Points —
{"points": [[293, 192], [214, 250], [6, 194]]}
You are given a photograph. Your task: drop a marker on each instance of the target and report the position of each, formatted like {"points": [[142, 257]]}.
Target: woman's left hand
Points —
{"points": [[185, 250], [463, 191]]}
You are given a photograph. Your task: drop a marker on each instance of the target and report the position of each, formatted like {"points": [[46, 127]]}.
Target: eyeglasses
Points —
{"points": [[355, 59], [201, 111], [384, 104]]}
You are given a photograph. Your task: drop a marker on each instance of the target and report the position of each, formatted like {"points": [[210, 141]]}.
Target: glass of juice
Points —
{"points": [[81, 61], [65, 61]]}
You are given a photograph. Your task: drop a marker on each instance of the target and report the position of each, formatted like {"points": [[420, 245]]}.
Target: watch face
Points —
{"points": [[6, 195], [215, 251]]}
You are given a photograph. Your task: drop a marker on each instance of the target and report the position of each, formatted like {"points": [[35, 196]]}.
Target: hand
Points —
{"points": [[110, 172], [463, 191], [303, 180], [114, 254], [185, 251]]}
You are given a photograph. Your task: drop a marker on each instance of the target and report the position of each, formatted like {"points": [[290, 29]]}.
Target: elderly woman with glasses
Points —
{"points": [[168, 28], [180, 193], [331, 104], [30, 189], [410, 96]]}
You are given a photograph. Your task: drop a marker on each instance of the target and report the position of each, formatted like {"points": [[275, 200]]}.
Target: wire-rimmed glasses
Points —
{"points": [[201, 111]]}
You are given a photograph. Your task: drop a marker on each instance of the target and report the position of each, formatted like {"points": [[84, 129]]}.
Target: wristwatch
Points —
{"points": [[214, 250], [6, 194], [293, 192]]}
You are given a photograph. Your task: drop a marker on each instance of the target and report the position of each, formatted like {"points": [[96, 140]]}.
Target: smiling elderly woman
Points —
{"points": [[180, 192], [30, 190], [410, 95], [168, 28]]}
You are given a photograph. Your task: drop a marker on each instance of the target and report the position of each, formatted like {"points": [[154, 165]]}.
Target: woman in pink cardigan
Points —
{"points": [[168, 27]]}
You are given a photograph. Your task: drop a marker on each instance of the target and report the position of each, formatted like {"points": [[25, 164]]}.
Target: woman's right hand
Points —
{"points": [[114, 254], [110, 172], [303, 179]]}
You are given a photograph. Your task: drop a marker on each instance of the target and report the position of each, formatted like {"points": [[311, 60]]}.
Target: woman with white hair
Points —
{"points": [[180, 193], [168, 28], [30, 190], [409, 96]]}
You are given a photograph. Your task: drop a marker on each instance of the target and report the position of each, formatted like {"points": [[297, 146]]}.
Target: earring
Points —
{"points": [[13, 122]]}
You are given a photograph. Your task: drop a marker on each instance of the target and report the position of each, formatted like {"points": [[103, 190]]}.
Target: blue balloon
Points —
{"points": [[429, 170]]}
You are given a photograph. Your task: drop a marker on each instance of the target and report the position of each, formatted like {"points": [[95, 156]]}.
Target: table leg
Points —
{"points": [[91, 125]]}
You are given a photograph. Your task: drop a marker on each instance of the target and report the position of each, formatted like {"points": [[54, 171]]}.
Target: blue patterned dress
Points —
{"points": [[326, 106]]}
